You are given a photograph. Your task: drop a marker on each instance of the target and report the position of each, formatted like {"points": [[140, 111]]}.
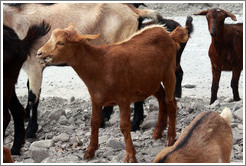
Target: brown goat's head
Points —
{"points": [[62, 45], [216, 18]]}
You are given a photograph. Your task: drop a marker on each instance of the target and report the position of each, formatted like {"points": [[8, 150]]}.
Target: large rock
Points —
{"points": [[39, 154], [41, 144]]}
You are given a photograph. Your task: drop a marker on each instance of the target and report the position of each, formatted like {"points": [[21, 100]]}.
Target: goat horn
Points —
{"points": [[228, 14], [202, 12]]}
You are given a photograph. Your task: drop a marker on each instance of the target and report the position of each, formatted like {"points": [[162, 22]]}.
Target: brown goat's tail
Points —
{"points": [[227, 115], [34, 33], [189, 25]]}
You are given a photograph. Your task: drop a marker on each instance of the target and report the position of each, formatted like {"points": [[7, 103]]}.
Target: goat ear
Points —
{"points": [[202, 12], [91, 37], [228, 14], [71, 27], [70, 35]]}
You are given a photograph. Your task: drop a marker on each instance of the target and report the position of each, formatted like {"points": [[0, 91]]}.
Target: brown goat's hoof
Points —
{"points": [[130, 158], [89, 154], [170, 142], [157, 135]]}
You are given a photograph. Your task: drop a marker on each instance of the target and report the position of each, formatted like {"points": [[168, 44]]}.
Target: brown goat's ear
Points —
{"points": [[71, 35], [228, 14], [202, 12], [90, 37], [71, 27]]}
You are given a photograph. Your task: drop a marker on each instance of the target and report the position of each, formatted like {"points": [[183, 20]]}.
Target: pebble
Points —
{"points": [[41, 144], [63, 120], [61, 137], [55, 115], [115, 144], [39, 154]]}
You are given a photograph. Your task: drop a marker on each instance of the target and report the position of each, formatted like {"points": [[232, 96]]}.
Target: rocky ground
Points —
{"points": [[65, 109]]}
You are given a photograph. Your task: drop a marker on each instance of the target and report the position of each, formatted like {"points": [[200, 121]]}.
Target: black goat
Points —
{"points": [[15, 52]]}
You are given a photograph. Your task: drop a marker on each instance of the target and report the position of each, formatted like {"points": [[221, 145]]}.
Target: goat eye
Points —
{"points": [[60, 43]]}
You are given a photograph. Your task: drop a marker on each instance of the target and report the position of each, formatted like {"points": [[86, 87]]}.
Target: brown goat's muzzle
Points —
{"points": [[43, 58]]}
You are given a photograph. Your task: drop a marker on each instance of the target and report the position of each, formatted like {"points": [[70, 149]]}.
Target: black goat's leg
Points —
{"points": [[18, 113], [215, 84], [105, 116], [138, 115], [234, 84], [32, 127]]}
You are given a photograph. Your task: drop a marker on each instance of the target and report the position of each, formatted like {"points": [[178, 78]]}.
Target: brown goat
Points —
{"points": [[226, 49], [118, 74], [7, 158], [208, 139]]}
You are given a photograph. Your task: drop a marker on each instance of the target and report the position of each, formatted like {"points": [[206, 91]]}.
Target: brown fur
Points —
{"points": [[210, 141], [118, 74], [226, 49], [7, 158]]}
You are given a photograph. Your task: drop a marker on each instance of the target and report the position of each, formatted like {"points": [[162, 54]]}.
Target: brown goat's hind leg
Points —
{"points": [[215, 84], [162, 118], [171, 104], [234, 84], [95, 123], [125, 127]]}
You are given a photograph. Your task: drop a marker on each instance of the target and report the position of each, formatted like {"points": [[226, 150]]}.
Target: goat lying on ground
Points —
{"points": [[7, 158], [226, 49], [118, 74], [138, 111], [115, 22], [15, 52], [208, 139]]}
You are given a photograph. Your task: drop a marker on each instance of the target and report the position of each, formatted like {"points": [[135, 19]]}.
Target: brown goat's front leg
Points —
{"points": [[125, 127], [95, 123], [162, 118], [215, 84], [234, 83]]}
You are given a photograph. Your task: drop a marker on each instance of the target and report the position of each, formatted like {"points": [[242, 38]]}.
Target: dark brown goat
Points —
{"points": [[15, 52], [226, 49], [118, 74]]}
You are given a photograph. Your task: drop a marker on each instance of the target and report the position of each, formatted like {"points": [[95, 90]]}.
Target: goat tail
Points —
{"points": [[227, 115], [189, 25], [35, 32]]}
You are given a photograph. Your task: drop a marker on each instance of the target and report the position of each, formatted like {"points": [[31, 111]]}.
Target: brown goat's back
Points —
{"points": [[208, 139]]}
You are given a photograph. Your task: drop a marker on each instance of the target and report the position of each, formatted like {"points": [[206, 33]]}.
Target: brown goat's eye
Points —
{"points": [[60, 43]]}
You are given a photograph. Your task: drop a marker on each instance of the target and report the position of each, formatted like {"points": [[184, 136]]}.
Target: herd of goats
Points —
{"points": [[121, 59]]}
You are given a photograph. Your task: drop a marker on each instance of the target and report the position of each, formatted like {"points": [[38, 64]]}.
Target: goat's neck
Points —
{"points": [[88, 63], [218, 40]]}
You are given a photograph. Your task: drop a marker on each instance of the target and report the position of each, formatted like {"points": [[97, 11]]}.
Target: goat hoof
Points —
{"points": [[157, 134], [102, 125], [169, 142], [237, 99], [15, 151], [89, 154], [130, 158], [135, 127]]}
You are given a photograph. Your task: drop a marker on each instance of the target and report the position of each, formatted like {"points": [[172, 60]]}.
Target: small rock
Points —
{"points": [[72, 99], [153, 105], [215, 104], [28, 160], [55, 115], [103, 139], [63, 120], [189, 86], [149, 124], [61, 137], [115, 144], [154, 151], [239, 114]]}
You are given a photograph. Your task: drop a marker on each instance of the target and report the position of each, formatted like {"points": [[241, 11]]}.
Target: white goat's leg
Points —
{"points": [[34, 71]]}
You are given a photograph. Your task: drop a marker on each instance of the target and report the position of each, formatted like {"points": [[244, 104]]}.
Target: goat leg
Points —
{"points": [[234, 84], [162, 118], [95, 123], [215, 84], [106, 113], [138, 115], [125, 127], [18, 114]]}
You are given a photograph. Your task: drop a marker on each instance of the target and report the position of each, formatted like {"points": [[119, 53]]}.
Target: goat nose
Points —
{"points": [[39, 53]]}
